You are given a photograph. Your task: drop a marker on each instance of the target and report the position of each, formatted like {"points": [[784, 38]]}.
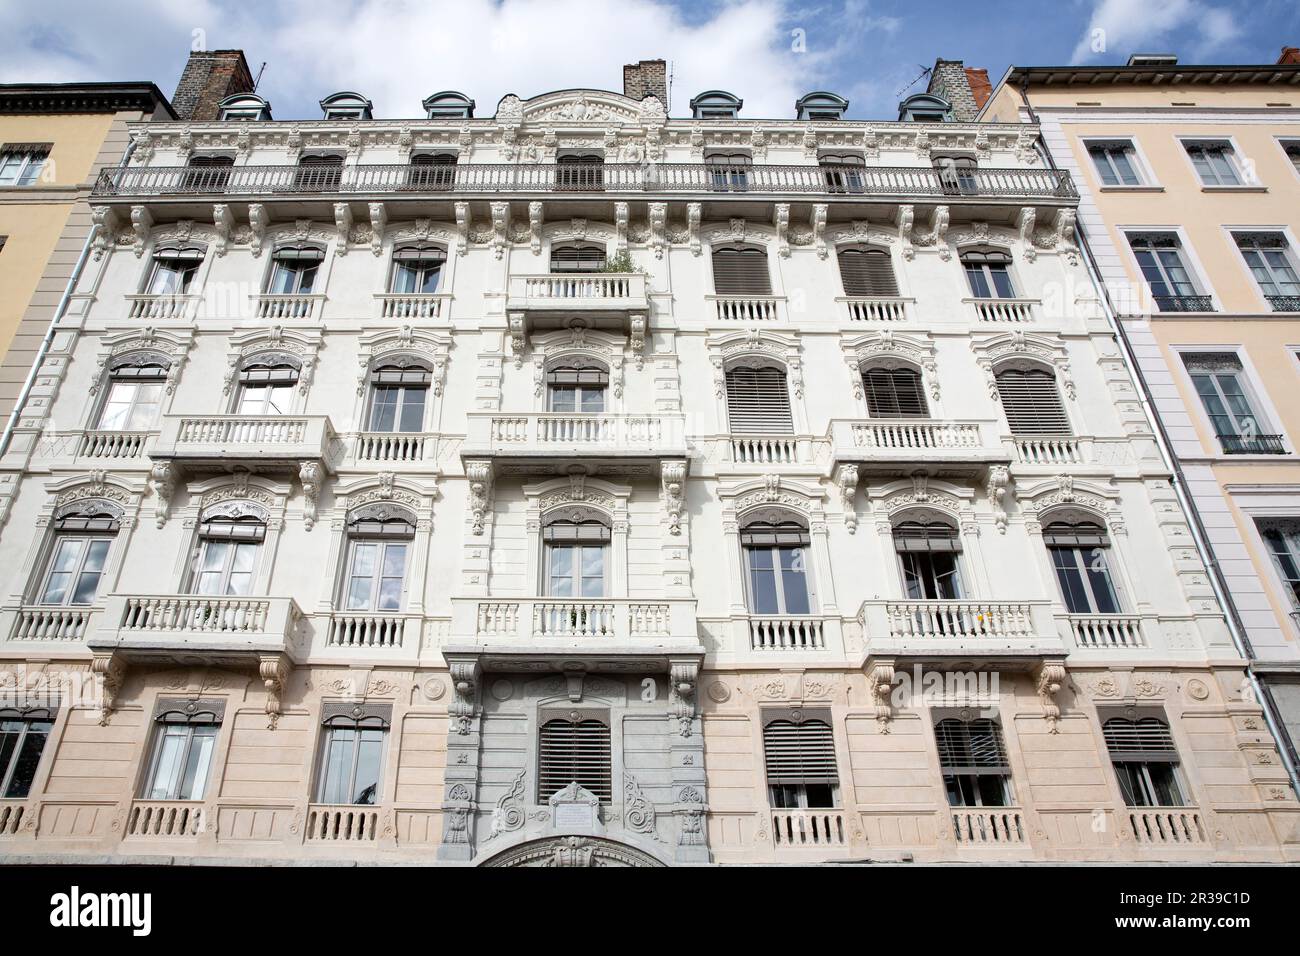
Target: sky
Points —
{"points": [[768, 52]]}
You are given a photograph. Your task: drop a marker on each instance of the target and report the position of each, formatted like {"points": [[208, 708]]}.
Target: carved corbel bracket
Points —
{"points": [[535, 227], [465, 686], [636, 338], [378, 221], [906, 216], [106, 225], [309, 473], [141, 223], [1049, 681], [343, 226], [620, 226], [479, 474], [518, 340], [111, 671], [223, 220], [257, 223], [683, 679], [659, 228], [999, 489], [500, 227], [818, 222], [1025, 227], [880, 683], [672, 482], [274, 670], [162, 477], [693, 210], [847, 480], [462, 228], [781, 221]]}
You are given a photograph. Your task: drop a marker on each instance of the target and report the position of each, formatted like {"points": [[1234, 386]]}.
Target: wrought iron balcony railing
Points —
{"points": [[1284, 303], [496, 178], [1252, 444], [1184, 303]]}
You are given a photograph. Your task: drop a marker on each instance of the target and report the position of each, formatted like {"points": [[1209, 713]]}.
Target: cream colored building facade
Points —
{"points": [[1199, 167], [424, 538], [54, 138]]}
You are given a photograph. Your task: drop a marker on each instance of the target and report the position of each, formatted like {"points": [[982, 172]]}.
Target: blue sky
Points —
{"points": [[766, 51]]}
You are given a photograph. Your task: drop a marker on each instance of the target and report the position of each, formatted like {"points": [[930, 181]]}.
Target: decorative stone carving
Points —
{"points": [[309, 473], [693, 210], [818, 223], [683, 678], [378, 221], [343, 227], [141, 223], [999, 486], [274, 671], [846, 479], [223, 221], [162, 477], [479, 474], [781, 221], [620, 226], [880, 684], [500, 227], [510, 813], [1050, 679], [1025, 227], [106, 225], [658, 225], [905, 217], [258, 219], [535, 227], [463, 707], [672, 479], [937, 234], [111, 672], [638, 812], [462, 228]]}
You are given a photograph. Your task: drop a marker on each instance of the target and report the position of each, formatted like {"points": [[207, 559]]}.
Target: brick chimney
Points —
{"points": [[646, 78], [210, 76], [1290, 54], [980, 87], [950, 79]]}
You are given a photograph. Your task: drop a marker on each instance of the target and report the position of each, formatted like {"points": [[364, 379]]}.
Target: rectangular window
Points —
{"points": [[928, 554], [729, 172], [1214, 162], [1292, 150], [1220, 383], [228, 551], [21, 163], [973, 759], [799, 754], [22, 740], [1282, 536], [1116, 163], [1160, 257], [75, 570], [1032, 402], [132, 405], [352, 755], [989, 274], [758, 401], [376, 574], [574, 748], [776, 563], [184, 741], [1145, 760], [1273, 265], [1080, 558], [577, 390], [575, 569]]}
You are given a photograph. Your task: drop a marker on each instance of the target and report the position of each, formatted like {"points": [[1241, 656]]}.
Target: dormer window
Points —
{"points": [[820, 107], [347, 106], [448, 105], [716, 104], [245, 107], [925, 108]]}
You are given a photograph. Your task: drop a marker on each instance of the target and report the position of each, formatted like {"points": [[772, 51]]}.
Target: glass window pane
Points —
{"points": [[365, 788], [27, 759], [395, 560], [762, 582], [87, 587], [171, 747], [1002, 282], [1073, 591], [1123, 167], [336, 782], [363, 558], [383, 412], [195, 777], [390, 594], [358, 594], [430, 279], [593, 400], [794, 580], [564, 399], [979, 285], [412, 410], [68, 553]]}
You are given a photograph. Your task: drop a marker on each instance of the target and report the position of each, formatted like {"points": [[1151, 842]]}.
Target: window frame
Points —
{"points": [[1261, 408], [729, 172], [334, 719], [421, 267], [795, 719], [30, 166], [1223, 144], [801, 550], [1136, 160], [1187, 262], [1290, 542], [1024, 371], [209, 721], [731, 381], [278, 266], [966, 777], [27, 717], [603, 790], [389, 366], [88, 540], [924, 575], [977, 259], [893, 371], [1165, 757], [1100, 551], [403, 537], [1288, 254], [205, 538], [576, 578]]}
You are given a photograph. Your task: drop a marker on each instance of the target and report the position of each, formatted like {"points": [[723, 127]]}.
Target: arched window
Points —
{"points": [[352, 753], [776, 567], [1145, 758], [867, 272], [135, 391], [319, 173], [83, 537], [185, 737], [573, 389], [799, 754], [894, 393], [843, 172], [379, 549], [989, 273], [266, 387], [417, 269], [973, 759], [229, 547], [294, 270], [574, 748], [758, 401], [173, 270], [1032, 402], [398, 397], [729, 172], [1080, 557], [577, 258], [928, 554], [741, 270], [576, 558], [580, 172], [432, 171]]}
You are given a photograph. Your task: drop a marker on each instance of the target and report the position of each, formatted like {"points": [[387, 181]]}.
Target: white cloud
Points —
{"points": [[1132, 25], [399, 51]]}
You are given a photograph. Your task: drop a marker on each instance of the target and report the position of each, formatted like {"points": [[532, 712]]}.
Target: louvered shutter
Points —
{"points": [[800, 752], [894, 393], [867, 272], [577, 259], [1032, 402], [970, 747], [574, 751], [741, 272], [758, 401], [1144, 740]]}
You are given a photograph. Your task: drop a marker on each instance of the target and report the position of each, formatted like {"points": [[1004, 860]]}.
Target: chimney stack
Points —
{"points": [[646, 78], [951, 80], [210, 76]]}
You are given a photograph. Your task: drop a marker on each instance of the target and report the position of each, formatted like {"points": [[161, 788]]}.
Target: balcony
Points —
{"points": [[51, 624], [749, 308], [1166, 826], [650, 179], [804, 829], [257, 442], [188, 628], [164, 307], [1015, 311], [393, 447], [111, 445], [1283, 303], [1106, 631], [280, 306], [1184, 303], [788, 632], [372, 630], [548, 439], [1252, 444], [988, 826], [341, 823], [166, 819], [607, 299], [877, 309], [904, 445], [406, 306], [946, 629]]}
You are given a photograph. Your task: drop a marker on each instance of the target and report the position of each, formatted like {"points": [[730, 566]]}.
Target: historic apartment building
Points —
{"points": [[1190, 201], [577, 484], [54, 139]]}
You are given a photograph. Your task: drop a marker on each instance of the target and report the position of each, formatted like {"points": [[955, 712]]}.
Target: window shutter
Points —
{"points": [[232, 529], [411, 375], [764, 535], [574, 751], [934, 536], [268, 375], [576, 532], [1086, 534], [1032, 402], [973, 746], [758, 400], [1144, 739], [894, 393], [741, 272], [867, 272], [799, 752], [577, 259]]}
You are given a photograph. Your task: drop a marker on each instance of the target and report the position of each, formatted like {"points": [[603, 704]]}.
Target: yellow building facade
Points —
{"points": [[1189, 178]]}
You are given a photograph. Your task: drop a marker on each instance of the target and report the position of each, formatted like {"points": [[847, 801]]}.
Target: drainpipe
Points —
{"points": [[59, 312], [1218, 583]]}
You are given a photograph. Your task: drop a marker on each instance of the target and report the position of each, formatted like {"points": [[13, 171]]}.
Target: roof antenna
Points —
{"points": [[925, 71], [257, 82], [668, 107]]}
